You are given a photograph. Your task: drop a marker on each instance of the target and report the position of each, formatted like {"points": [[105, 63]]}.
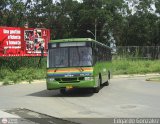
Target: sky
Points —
{"points": [[133, 3]]}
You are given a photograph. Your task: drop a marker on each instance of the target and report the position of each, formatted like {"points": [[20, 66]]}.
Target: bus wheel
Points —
{"points": [[108, 81], [96, 90], [62, 91]]}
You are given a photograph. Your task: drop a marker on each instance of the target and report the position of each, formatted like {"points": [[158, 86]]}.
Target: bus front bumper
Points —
{"points": [[51, 85]]}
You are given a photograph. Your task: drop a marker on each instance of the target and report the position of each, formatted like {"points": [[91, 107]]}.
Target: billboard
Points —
{"points": [[16, 41]]}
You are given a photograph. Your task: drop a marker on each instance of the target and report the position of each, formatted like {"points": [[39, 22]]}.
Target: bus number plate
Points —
{"points": [[69, 87]]}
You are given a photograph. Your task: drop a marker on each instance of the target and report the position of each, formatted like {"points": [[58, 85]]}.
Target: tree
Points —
{"points": [[107, 19], [13, 12]]}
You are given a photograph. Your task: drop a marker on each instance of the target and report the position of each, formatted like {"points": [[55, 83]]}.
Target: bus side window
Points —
{"points": [[95, 55]]}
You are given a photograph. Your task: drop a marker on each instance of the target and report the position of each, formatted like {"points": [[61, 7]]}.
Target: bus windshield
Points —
{"points": [[70, 57]]}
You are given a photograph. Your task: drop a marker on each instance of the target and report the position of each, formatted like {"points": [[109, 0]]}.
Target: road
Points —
{"points": [[123, 98]]}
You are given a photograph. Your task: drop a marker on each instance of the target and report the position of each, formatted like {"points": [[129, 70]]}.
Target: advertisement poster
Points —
{"points": [[16, 41]]}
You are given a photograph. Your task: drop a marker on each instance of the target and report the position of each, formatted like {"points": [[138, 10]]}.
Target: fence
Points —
{"points": [[136, 52]]}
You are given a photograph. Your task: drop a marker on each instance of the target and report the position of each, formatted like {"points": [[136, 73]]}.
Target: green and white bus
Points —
{"points": [[77, 63]]}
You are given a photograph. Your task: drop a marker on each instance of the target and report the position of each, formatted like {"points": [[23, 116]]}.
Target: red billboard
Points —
{"points": [[16, 41]]}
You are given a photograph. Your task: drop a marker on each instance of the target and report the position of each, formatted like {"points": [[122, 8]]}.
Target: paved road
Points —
{"points": [[124, 97]]}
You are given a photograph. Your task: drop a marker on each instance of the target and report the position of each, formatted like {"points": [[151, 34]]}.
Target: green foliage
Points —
{"points": [[24, 74], [69, 18], [30, 71], [15, 70], [135, 66], [6, 82]]}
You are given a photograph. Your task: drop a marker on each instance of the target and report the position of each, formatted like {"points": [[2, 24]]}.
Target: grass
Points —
{"points": [[22, 74], [16, 70], [135, 67], [28, 70]]}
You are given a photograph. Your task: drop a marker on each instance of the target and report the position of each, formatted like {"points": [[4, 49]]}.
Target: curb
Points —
{"points": [[26, 82], [136, 75], [34, 81], [1, 83], [7, 115]]}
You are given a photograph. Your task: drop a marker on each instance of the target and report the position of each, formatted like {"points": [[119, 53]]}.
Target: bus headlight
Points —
{"points": [[51, 79], [88, 78]]}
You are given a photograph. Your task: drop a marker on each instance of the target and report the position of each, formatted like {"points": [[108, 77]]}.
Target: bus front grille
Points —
{"points": [[69, 80]]}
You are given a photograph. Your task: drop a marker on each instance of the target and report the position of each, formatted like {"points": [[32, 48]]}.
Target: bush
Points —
{"points": [[20, 69], [135, 67]]}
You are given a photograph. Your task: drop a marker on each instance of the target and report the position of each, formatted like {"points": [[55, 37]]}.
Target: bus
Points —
{"points": [[77, 63]]}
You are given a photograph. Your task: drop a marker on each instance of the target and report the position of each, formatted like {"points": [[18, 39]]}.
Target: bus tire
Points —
{"points": [[96, 90], [108, 81], [62, 91]]}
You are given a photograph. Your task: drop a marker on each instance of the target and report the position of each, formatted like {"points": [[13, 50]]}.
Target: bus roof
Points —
{"points": [[77, 40]]}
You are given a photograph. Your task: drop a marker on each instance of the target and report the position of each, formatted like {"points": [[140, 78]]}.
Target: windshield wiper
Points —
{"points": [[81, 69], [61, 63], [55, 69]]}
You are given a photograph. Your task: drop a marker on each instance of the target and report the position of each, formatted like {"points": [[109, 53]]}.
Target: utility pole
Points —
{"points": [[95, 28]]}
